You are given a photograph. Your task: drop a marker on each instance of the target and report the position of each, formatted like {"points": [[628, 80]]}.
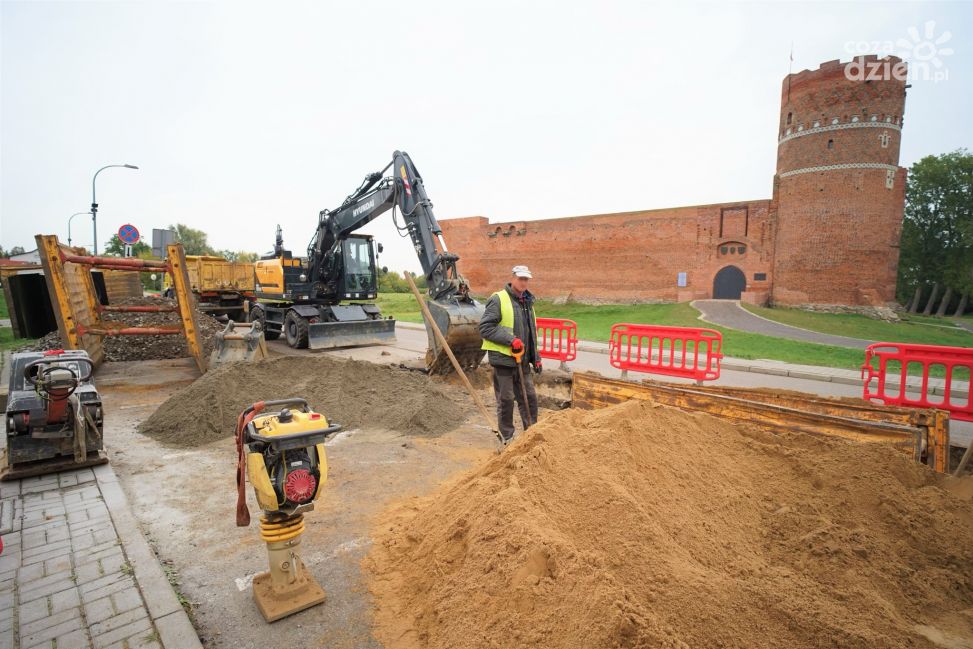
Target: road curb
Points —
{"points": [[410, 325], [170, 619], [781, 369], [738, 365]]}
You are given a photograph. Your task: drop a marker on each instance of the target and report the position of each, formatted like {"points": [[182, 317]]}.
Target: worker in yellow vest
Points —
{"points": [[507, 326]]}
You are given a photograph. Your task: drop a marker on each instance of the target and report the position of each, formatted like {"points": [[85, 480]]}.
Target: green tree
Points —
{"points": [[390, 281], [149, 284], [937, 231], [16, 250], [239, 255], [194, 241], [114, 247]]}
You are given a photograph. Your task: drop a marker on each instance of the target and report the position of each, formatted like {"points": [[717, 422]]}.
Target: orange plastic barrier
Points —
{"points": [[558, 339], [674, 351], [900, 361]]}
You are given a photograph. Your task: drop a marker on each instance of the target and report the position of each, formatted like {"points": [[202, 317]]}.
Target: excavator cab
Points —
{"points": [[359, 279]]}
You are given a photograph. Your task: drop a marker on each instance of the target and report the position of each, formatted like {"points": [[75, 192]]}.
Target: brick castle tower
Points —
{"points": [[839, 192]]}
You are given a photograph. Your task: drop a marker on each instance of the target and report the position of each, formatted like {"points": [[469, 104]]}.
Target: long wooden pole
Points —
{"points": [[966, 460], [487, 419]]}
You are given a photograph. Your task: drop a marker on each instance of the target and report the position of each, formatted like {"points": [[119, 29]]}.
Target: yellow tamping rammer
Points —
{"points": [[280, 447]]}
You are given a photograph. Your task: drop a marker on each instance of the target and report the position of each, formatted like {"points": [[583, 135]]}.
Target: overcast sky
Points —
{"points": [[245, 115]]}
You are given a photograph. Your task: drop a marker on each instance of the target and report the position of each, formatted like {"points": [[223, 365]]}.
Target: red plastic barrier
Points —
{"points": [[675, 351], [558, 339], [915, 361]]}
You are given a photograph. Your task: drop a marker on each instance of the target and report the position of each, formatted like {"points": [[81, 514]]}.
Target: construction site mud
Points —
{"points": [[352, 393], [645, 526], [630, 526], [183, 498]]}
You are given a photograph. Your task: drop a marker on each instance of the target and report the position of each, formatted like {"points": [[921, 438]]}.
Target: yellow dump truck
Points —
{"points": [[221, 287]]}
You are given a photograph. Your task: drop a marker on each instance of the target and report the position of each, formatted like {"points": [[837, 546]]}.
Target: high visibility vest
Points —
{"points": [[506, 321]]}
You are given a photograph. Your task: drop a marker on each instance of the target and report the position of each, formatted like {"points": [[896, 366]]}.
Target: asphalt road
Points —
{"points": [[729, 313]]}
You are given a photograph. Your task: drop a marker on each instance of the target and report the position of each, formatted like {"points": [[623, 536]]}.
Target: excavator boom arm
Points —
{"points": [[452, 307], [376, 195]]}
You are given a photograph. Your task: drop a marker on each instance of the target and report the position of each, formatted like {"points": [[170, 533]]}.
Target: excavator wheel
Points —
{"points": [[295, 330], [256, 314]]}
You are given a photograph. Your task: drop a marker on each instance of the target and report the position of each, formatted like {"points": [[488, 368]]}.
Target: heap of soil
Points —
{"points": [[142, 348], [352, 393], [645, 526]]}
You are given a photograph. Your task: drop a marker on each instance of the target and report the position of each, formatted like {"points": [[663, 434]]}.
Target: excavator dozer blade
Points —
{"points": [[351, 333], [459, 323], [233, 346]]}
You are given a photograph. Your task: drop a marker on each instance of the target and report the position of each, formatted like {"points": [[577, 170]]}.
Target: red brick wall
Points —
{"points": [[631, 256], [839, 191]]}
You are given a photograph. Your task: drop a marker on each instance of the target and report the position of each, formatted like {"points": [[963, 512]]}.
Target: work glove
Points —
{"points": [[537, 366], [517, 345]]}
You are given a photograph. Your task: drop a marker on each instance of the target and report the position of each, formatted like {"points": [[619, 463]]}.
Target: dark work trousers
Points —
{"points": [[506, 388]]}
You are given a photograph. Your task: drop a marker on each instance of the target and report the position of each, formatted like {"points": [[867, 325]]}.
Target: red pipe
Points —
{"points": [[128, 331], [120, 263], [140, 309]]}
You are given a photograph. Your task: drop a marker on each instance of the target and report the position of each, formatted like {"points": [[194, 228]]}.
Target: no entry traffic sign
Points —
{"points": [[129, 234]]}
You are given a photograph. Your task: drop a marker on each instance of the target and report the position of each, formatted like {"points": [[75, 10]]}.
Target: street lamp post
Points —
{"points": [[94, 203], [69, 223]]}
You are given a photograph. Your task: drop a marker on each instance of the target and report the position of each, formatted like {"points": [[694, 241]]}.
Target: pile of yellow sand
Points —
{"points": [[644, 526]]}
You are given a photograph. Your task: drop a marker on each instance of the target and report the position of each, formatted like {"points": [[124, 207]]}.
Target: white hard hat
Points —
{"points": [[522, 271]]}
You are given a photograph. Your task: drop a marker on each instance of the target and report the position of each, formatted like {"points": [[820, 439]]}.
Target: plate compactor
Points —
{"points": [[280, 449], [54, 417]]}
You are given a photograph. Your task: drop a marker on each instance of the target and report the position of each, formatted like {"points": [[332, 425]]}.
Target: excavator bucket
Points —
{"points": [[460, 324], [350, 333], [233, 346]]}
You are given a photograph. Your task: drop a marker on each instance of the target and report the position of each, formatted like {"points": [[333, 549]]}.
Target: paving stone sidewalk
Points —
{"points": [[76, 572]]}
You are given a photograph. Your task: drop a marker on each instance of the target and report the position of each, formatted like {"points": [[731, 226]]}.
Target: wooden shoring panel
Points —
{"points": [[922, 434], [73, 298], [187, 303], [121, 284]]}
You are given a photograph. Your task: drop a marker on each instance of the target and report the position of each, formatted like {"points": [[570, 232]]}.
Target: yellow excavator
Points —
{"points": [[322, 300]]}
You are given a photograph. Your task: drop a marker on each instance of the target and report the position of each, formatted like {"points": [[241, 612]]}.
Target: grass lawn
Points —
{"points": [[7, 340], [401, 306], [917, 329], [4, 313], [595, 323]]}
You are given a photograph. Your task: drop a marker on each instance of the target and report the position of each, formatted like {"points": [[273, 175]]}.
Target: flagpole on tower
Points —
{"points": [[790, 68]]}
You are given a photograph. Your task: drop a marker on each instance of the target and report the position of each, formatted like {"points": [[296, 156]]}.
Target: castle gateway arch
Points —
{"points": [[729, 283]]}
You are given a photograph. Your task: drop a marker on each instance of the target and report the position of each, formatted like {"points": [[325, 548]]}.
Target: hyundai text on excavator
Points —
{"points": [[321, 301]]}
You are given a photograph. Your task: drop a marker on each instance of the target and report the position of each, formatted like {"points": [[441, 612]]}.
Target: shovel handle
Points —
{"points": [[431, 324]]}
